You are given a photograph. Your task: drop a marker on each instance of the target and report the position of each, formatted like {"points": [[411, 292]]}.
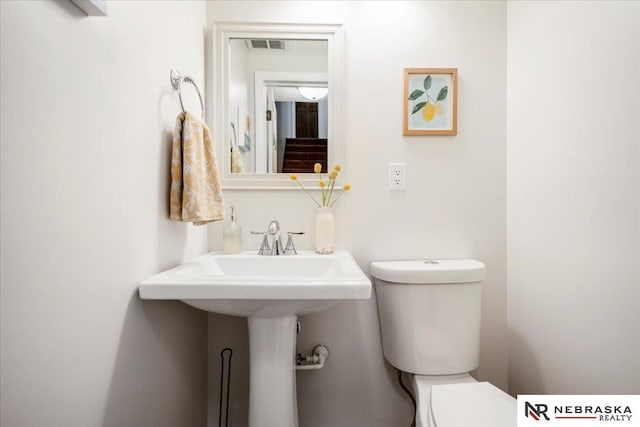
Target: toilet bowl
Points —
{"points": [[430, 325]]}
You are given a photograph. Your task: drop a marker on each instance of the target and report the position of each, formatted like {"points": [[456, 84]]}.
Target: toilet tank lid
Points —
{"points": [[429, 271]]}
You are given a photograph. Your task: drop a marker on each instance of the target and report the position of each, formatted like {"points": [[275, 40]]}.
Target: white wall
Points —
{"points": [[574, 197], [87, 113], [454, 205]]}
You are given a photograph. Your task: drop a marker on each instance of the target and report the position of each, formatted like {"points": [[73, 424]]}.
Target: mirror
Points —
{"points": [[276, 110]]}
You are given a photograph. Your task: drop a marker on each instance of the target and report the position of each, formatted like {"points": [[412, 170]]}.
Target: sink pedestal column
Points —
{"points": [[272, 379]]}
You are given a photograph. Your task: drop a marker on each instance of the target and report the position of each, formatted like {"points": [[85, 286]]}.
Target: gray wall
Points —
{"points": [[87, 113], [574, 197]]}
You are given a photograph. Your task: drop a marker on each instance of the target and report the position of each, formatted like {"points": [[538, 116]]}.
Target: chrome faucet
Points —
{"points": [[275, 248], [276, 241]]}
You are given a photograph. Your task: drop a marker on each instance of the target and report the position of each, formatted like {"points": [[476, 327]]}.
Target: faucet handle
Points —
{"points": [[265, 249], [290, 249]]}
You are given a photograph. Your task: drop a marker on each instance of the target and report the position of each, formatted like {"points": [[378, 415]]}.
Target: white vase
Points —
{"points": [[325, 238]]}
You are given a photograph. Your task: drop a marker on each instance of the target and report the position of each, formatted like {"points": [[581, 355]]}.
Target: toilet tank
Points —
{"points": [[430, 314]]}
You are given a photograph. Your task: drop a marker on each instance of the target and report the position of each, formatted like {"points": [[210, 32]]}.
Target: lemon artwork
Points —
{"points": [[431, 106], [428, 112]]}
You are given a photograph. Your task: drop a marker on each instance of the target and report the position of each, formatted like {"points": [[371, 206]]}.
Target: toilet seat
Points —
{"points": [[471, 405], [422, 385]]}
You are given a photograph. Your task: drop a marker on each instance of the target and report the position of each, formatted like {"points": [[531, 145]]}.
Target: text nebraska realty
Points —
{"points": [[603, 413]]}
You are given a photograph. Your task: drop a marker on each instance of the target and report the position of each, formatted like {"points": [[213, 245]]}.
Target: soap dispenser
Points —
{"points": [[232, 236]]}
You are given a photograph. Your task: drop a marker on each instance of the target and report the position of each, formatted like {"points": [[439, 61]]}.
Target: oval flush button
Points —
{"points": [[431, 262]]}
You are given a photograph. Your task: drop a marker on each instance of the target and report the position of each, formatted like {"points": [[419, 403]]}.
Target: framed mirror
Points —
{"points": [[276, 102]]}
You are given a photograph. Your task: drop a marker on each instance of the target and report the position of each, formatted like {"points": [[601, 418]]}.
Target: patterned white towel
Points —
{"points": [[196, 194]]}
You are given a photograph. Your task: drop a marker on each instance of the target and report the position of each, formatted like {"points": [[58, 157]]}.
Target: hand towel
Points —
{"points": [[196, 194], [236, 160]]}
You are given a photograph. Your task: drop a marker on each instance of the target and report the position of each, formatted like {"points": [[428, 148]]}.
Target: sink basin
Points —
{"points": [[271, 291], [252, 285]]}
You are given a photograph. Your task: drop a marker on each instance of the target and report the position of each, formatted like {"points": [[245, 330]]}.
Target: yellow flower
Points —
{"points": [[325, 186]]}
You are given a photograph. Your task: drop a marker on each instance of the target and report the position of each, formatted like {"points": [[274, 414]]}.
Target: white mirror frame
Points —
{"points": [[217, 105]]}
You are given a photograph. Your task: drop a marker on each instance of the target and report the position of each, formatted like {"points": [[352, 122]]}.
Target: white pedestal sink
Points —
{"points": [[271, 292]]}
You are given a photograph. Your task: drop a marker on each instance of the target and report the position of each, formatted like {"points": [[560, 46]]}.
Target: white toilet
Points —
{"points": [[430, 322]]}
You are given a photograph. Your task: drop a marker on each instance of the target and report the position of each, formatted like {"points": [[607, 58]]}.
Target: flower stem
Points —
{"points": [[337, 198], [324, 195], [332, 183], [309, 194]]}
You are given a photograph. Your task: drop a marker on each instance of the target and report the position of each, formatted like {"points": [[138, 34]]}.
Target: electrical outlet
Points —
{"points": [[397, 176]]}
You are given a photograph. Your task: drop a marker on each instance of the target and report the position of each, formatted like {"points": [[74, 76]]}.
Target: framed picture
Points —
{"points": [[244, 129], [430, 101]]}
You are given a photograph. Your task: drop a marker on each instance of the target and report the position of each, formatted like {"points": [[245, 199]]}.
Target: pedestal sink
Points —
{"points": [[271, 291]]}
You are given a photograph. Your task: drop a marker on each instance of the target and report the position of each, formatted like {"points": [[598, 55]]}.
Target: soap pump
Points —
{"points": [[232, 235]]}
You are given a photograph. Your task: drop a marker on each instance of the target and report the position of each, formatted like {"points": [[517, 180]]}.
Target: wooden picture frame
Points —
{"points": [[430, 101]]}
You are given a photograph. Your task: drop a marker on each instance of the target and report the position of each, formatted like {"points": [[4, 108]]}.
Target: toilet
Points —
{"points": [[430, 323]]}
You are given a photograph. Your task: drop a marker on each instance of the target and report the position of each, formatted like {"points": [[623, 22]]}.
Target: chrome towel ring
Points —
{"points": [[176, 81]]}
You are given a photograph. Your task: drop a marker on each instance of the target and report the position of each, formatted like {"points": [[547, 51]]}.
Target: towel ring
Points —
{"points": [[176, 82]]}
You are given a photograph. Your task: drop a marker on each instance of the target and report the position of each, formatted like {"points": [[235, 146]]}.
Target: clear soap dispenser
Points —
{"points": [[232, 235]]}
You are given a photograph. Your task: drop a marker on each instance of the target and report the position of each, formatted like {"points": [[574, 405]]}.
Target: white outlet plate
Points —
{"points": [[397, 176]]}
